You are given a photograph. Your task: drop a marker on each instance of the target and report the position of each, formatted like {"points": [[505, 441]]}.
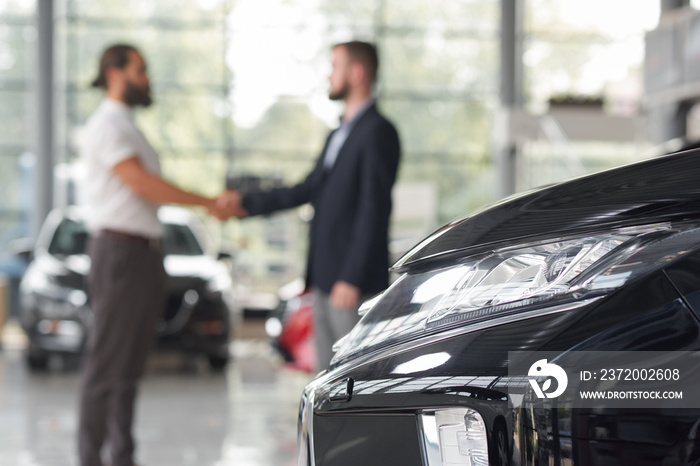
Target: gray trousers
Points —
{"points": [[127, 290], [330, 325]]}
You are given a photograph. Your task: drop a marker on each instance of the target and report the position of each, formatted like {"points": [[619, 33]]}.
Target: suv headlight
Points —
{"points": [[508, 281]]}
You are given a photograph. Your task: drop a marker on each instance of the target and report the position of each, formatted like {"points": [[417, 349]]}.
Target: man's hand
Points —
{"points": [[216, 212], [344, 295], [227, 205]]}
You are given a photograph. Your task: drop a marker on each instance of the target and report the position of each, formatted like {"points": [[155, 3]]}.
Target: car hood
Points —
{"points": [[657, 190], [71, 270], [203, 267]]}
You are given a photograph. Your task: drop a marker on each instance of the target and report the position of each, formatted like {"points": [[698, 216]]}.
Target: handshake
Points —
{"points": [[227, 205]]}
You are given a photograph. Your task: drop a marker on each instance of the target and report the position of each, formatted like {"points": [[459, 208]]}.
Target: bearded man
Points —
{"points": [[350, 190], [126, 283]]}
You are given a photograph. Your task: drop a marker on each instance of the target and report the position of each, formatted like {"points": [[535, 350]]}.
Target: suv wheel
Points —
{"points": [[218, 362], [37, 360]]}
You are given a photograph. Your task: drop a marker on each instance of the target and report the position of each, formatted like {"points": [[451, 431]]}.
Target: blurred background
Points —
{"points": [[490, 97]]}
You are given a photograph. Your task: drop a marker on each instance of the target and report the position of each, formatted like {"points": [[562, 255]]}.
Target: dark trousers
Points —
{"points": [[126, 288]]}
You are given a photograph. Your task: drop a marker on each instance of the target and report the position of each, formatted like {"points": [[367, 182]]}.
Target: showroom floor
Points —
{"points": [[187, 415]]}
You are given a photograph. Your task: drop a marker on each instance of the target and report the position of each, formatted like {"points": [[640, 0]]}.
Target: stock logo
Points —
{"points": [[542, 368]]}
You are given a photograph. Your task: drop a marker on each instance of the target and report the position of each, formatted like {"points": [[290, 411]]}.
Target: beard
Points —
{"points": [[134, 96], [341, 93]]}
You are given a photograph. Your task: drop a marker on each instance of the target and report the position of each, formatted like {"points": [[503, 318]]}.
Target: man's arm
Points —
{"points": [[154, 189], [266, 202]]}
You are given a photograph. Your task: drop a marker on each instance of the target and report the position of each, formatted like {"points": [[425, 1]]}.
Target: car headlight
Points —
{"points": [[36, 280], [507, 282], [77, 298]]}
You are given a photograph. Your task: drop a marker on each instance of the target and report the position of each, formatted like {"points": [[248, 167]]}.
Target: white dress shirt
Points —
{"points": [[109, 137]]}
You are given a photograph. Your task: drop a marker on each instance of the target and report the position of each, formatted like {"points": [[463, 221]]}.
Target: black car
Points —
{"points": [[607, 264], [55, 306]]}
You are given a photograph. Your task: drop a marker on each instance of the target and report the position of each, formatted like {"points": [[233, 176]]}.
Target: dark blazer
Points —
{"points": [[352, 204]]}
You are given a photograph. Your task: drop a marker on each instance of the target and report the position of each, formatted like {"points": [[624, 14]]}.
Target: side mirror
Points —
{"points": [[22, 248], [224, 255]]}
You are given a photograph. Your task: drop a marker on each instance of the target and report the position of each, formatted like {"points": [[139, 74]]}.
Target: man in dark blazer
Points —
{"points": [[350, 190]]}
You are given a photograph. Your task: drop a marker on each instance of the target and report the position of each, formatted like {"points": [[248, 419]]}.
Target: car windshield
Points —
{"points": [[180, 240], [71, 237]]}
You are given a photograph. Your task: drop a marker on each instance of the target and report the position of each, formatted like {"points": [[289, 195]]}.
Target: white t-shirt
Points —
{"points": [[109, 137]]}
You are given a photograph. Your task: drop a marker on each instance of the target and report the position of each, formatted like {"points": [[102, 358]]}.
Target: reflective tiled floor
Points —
{"points": [[187, 415]]}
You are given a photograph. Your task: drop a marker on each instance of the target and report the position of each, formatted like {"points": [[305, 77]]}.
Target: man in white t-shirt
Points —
{"points": [[127, 279]]}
